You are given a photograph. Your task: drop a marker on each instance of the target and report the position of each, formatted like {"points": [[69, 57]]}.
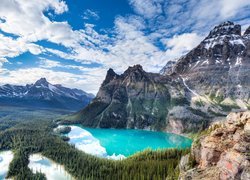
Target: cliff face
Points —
{"points": [[223, 153], [137, 99]]}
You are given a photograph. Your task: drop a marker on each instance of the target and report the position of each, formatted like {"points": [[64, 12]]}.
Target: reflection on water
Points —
{"points": [[85, 141], [5, 159], [52, 170], [117, 143]]}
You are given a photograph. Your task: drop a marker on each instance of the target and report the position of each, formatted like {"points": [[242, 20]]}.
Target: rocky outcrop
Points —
{"points": [[223, 152]]}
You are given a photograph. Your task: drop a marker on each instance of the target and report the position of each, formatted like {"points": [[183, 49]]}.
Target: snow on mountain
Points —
{"points": [[42, 93]]}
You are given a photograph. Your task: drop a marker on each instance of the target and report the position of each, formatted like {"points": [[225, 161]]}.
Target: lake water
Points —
{"points": [[5, 159], [52, 170], [118, 144]]}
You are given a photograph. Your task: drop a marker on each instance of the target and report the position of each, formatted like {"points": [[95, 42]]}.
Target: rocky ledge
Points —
{"points": [[222, 152]]}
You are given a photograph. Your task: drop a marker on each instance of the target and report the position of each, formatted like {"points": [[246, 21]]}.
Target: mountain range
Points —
{"points": [[186, 96], [43, 94]]}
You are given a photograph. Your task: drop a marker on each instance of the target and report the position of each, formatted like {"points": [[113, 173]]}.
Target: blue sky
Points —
{"points": [[74, 42]]}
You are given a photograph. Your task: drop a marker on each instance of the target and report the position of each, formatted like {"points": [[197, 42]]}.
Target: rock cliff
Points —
{"points": [[223, 152]]}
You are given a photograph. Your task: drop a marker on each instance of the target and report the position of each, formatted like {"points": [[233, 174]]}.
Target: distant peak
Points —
{"points": [[225, 28], [42, 81]]}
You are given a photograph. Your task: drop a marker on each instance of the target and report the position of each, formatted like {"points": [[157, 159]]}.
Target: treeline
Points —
{"points": [[18, 168], [28, 138], [146, 165]]}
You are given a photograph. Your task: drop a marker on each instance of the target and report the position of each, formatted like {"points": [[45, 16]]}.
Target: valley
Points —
{"points": [[34, 134]]}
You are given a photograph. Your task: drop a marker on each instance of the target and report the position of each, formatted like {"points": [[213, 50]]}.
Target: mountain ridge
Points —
{"points": [[44, 94]]}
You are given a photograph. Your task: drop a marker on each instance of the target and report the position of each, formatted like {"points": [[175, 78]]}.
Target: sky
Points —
{"points": [[75, 42]]}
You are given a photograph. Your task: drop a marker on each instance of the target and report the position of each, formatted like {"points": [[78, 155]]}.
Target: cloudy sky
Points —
{"points": [[74, 42]]}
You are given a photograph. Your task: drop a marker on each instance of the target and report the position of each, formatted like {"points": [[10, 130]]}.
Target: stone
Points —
{"points": [[224, 156]]}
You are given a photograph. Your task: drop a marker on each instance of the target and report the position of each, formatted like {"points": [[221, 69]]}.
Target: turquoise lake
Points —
{"points": [[117, 142]]}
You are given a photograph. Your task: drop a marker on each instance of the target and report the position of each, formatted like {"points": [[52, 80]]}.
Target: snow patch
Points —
{"points": [[237, 42], [205, 62], [52, 88], [217, 62], [192, 91], [238, 61], [234, 40]]}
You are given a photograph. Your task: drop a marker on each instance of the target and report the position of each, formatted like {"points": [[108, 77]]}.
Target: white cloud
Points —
{"points": [[170, 17], [147, 8], [25, 18], [181, 44], [231, 8], [132, 40], [90, 14], [10, 47], [2, 61], [46, 63]]}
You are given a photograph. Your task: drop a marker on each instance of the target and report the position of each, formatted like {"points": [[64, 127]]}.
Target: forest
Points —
{"points": [[37, 136]]}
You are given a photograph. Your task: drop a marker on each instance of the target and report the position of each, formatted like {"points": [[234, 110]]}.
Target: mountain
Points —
{"points": [[44, 95], [218, 68], [186, 96], [168, 68], [140, 100], [221, 152]]}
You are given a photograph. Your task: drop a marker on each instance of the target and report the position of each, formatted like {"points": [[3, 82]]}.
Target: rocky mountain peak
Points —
{"points": [[247, 32], [111, 72], [223, 47], [135, 68], [225, 28], [110, 76], [135, 73], [42, 81]]}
